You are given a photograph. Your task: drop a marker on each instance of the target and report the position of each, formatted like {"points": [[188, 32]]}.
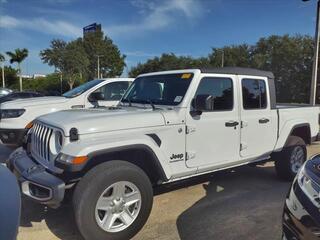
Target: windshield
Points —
{"points": [[168, 89], [81, 89]]}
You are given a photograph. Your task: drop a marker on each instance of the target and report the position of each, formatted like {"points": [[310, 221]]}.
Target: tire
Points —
{"points": [[106, 179], [287, 168]]}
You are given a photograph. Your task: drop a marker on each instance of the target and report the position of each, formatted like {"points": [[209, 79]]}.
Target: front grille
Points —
{"points": [[40, 141]]}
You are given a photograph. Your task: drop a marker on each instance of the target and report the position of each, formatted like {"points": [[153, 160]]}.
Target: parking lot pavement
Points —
{"points": [[245, 203]]}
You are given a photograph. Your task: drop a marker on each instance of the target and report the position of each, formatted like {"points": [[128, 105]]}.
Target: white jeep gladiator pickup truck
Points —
{"points": [[16, 116], [168, 126]]}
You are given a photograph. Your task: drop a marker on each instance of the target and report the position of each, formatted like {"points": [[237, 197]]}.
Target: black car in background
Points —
{"points": [[19, 95], [301, 217]]}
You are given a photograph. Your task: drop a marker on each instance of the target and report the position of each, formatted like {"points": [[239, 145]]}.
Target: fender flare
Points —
{"points": [[92, 156], [282, 141]]}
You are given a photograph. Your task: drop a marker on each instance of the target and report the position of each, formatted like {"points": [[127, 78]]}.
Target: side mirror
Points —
{"points": [[96, 96], [202, 103]]}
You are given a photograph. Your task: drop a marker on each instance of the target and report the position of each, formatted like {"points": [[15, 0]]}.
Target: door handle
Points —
{"points": [[264, 120], [232, 124]]}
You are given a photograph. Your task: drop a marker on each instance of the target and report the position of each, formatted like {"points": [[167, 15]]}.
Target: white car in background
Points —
{"points": [[16, 116]]}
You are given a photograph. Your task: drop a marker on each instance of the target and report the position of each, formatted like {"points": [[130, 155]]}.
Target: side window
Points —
{"points": [[221, 89], [113, 91], [254, 94]]}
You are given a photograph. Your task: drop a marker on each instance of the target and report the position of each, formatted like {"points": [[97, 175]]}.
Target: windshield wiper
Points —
{"points": [[143, 101]]}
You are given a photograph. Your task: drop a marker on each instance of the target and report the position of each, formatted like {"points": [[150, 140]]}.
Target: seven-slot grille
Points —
{"points": [[40, 141]]}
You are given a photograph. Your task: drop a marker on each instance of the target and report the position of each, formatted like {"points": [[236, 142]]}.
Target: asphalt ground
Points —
{"points": [[243, 203]]}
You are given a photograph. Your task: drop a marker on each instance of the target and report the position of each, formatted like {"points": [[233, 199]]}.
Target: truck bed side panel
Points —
{"points": [[291, 117]]}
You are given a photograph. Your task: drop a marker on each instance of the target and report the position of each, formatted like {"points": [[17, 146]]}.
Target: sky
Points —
{"points": [[143, 29]]}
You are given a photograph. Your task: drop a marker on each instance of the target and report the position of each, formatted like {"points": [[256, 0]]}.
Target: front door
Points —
{"points": [[213, 138]]}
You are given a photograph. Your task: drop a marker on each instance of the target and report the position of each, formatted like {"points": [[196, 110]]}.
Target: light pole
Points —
{"points": [[2, 60], [217, 51], [98, 70], [3, 81], [60, 83], [316, 57], [222, 58]]}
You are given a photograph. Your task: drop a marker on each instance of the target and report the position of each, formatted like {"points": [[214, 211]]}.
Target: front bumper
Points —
{"points": [[35, 181], [12, 136]]}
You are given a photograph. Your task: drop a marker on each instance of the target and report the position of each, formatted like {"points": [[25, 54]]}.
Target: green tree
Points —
{"points": [[168, 62], [18, 56], [11, 77], [2, 59], [111, 60], [75, 62], [53, 56], [290, 58], [70, 59], [78, 59], [231, 56], [49, 85]]}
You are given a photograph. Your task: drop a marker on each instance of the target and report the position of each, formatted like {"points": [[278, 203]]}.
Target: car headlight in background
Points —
{"points": [[11, 113], [301, 176]]}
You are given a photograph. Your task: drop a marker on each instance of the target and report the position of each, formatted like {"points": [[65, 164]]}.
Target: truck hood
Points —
{"points": [[93, 120], [28, 102]]}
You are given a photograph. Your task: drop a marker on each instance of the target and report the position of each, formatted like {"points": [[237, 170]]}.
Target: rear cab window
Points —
{"points": [[254, 94]]}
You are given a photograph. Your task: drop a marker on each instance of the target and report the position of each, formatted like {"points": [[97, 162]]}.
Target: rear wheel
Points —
{"points": [[291, 158], [113, 201]]}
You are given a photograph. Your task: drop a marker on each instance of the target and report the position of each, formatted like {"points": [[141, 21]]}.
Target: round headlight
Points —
{"points": [[56, 142]]}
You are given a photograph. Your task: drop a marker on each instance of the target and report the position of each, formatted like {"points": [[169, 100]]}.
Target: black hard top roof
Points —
{"points": [[239, 71]]}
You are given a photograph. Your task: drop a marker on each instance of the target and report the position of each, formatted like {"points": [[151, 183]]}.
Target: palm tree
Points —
{"points": [[18, 56], [2, 59]]}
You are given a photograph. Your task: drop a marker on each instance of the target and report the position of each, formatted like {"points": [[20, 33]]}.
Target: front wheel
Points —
{"points": [[291, 158], [113, 201]]}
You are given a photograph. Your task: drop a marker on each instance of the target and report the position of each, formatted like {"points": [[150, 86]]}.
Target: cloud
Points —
{"points": [[59, 27], [158, 15]]}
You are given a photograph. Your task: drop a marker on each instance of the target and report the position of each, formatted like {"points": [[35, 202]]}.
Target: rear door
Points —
{"points": [[213, 137], [258, 120]]}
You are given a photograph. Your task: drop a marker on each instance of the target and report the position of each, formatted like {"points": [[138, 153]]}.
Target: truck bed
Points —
{"points": [[308, 114]]}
